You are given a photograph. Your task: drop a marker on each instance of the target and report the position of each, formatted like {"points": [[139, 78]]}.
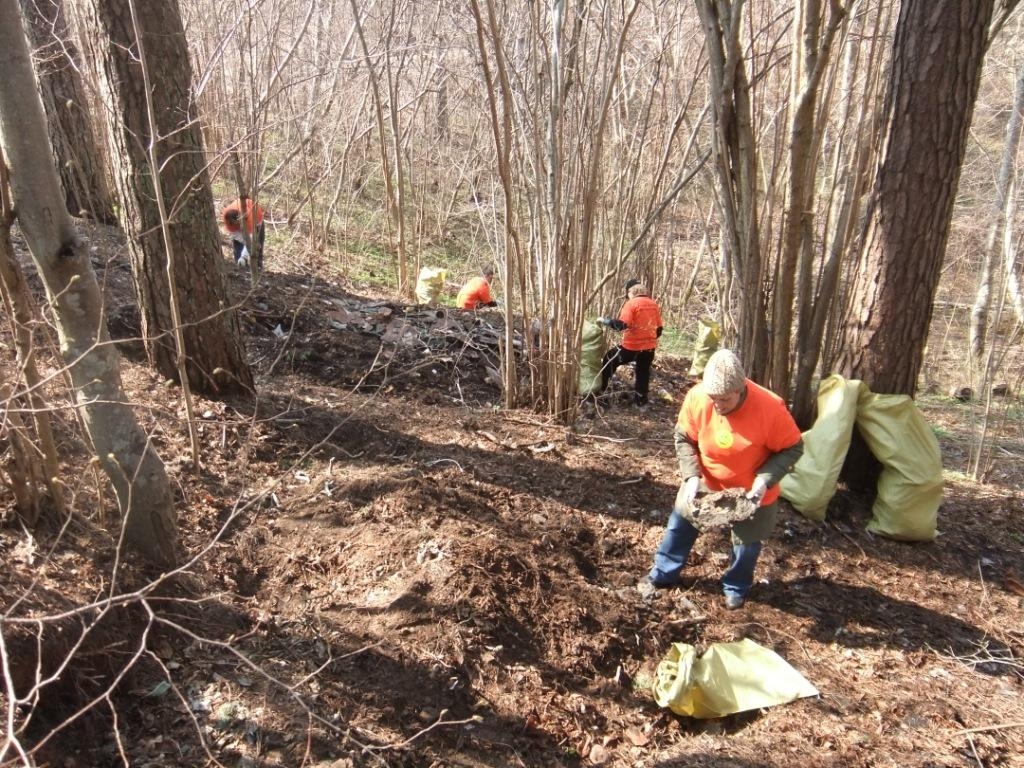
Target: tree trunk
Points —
{"points": [[215, 355], [735, 152], [994, 237], [122, 448], [812, 50], [65, 102], [937, 58]]}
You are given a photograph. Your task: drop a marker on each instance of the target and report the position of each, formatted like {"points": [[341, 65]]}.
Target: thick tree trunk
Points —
{"points": [[72, 137], [215, 355], [937, 58], [122, 448]]}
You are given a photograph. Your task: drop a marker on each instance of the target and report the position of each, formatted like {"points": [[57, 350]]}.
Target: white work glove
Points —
{"points": [[688, 493], [757, 490]]}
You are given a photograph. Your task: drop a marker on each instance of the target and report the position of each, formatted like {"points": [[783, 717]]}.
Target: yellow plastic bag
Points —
{"points": [[591, 353], [429, 284], [728, 678], [910, 486], [812, 483], [709, 334]]}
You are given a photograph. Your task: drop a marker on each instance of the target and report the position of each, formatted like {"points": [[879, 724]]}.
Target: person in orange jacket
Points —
{"points": [[640, 321], [731, 433], [231, 216], [477, 292]]}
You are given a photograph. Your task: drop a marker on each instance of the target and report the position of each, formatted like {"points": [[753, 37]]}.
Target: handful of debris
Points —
{"points": [[721, 509]]}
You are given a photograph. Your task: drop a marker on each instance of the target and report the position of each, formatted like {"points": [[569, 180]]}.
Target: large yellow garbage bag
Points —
{"points": [[728, 678], [709, 334], [812, 483], [590, 358], [910, 486], [429, 284]]}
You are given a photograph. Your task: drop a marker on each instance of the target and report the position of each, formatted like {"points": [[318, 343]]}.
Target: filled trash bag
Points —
{"points": [[812, 483], [591, 353], [910, 486], [709, 335], [429, 284]]}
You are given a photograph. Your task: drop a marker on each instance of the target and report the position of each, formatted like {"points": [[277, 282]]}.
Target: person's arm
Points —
{"points": [[781, 463], [688, 455]]}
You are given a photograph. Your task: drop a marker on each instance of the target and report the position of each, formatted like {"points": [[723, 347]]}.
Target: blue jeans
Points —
{"points": [[675, 548]]}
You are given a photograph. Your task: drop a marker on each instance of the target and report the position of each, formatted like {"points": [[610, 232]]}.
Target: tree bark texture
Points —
{"points": [[215, 355], [76, 151], [123, 449], [937, 58]]}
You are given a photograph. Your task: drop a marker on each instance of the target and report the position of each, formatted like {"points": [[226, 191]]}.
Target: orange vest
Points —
{"points": [[252, 218], [732, 448], [643, 319], [475, 293]]}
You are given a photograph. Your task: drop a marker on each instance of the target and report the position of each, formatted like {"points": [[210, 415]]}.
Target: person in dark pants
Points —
{"points": [[640, 323], [731, 433], [232, 218]]}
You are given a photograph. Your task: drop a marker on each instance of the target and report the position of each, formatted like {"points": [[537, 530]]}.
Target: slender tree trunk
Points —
{"points": [[215, 356], [994, 238], [937, 59], [16, 302], [812, 53], [735, 153], [76, 152], [122, 448]]}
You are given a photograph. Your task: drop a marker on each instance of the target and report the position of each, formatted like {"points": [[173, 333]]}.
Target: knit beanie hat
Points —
{"points": [[723, 373], [630, 283]]}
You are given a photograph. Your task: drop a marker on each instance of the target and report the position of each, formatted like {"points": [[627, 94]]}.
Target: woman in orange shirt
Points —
{"points": [[731, 433], [231, 216], [477, 292], [640, 321]]}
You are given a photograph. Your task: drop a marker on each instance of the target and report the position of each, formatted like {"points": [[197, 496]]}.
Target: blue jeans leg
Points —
{"points": [[674, 550], [740, 576]]}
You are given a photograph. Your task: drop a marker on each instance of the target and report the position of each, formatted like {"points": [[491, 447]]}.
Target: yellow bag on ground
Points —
{"points": [[591, 353], [429, 284], [709, 333], [812, 483], [910, 487], [728, 678]]}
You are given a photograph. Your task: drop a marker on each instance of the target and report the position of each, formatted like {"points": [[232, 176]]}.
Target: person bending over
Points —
{"points": [[731, 433], [640, 321]]}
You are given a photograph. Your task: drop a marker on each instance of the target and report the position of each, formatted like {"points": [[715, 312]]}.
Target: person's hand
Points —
{"points": [[688, 494], [757, 490]]}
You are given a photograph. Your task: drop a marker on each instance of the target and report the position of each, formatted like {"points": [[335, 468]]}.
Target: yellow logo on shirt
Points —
{"points": [[723, 438]]}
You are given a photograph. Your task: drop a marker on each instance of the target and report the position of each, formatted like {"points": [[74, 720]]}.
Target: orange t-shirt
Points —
{"points": [[252, 218], [732, 448], [643, 319], [475, 293]]}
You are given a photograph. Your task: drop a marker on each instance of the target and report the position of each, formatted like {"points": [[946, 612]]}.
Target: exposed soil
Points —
{"points": [[390, 570], [722, 508]]}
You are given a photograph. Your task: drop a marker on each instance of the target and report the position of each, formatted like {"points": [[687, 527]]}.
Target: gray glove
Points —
{"points": [[688, 494], [757, 490]]}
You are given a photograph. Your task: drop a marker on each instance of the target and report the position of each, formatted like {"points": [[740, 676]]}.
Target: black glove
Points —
{"points": [[657, 334]]}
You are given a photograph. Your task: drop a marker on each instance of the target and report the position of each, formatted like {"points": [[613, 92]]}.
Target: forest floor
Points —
{"points": [[387, 569]]}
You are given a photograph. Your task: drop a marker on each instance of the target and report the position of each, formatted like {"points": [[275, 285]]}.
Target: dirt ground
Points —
{"points": [[386, 569]]}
